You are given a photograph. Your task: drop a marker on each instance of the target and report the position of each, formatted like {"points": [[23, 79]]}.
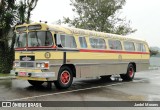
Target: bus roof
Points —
{"points": [[84, 32], [71, 30]]}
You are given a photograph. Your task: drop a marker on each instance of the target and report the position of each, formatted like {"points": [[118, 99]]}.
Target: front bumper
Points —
{"points": [[44, 76]]}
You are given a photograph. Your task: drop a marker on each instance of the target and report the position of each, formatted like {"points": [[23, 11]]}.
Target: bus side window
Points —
{"points": [[138, 47], [102, 44], [141, 47], [144, 48], [129, 46], [68, 41], [115, 44], [92, 42], [83, 42], [98, 43]]}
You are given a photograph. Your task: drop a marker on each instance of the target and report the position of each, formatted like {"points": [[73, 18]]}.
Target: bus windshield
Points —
{"points": [[35, 39], [21, 40], [40, 38]]}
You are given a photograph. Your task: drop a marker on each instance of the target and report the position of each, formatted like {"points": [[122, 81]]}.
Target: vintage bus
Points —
{"points": [[52, 53]]}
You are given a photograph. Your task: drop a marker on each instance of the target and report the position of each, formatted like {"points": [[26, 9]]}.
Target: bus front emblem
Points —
{"points": [[47, 55], [26, 58]]}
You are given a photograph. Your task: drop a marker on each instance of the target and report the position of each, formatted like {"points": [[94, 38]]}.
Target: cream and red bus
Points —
{"points": [[52, 53]]}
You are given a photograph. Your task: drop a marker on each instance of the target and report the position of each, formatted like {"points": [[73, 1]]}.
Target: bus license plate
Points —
{"points": [[22, 73]]}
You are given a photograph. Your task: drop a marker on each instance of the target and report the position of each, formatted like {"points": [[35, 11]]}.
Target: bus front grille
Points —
{"points": [[27, 64]]}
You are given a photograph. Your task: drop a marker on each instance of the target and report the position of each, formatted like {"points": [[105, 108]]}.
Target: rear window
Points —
{"points": [[115, 44]]}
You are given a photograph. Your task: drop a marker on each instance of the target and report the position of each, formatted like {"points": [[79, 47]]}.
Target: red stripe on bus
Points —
{"points": [[112, 51], [36, 48], [88, 50]]}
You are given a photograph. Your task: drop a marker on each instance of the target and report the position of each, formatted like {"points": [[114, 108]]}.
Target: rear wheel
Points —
{"points": [[65, 78], [129, 76], [106, 78], [35, 83]]}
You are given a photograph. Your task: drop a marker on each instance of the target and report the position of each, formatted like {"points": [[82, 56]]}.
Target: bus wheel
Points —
{"points": [[65, 78], [106, 78], [129, 76], [35, 83]]}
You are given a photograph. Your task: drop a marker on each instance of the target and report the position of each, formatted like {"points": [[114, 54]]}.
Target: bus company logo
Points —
{"points": [[26, 58], [6, 104], [47, 55]]}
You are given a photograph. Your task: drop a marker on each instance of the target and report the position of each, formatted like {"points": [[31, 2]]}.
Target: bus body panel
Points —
{"points": [[88, 62]]}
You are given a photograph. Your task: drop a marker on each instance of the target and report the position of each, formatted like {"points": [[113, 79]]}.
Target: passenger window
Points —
{"points": [[68, 41], [102, 44], [144, 48], [83, 42], [141, 47], [115, 44], [93, 42], [129, 46], [98, 43]]}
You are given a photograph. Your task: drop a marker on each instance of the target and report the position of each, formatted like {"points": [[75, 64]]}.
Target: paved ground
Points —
{"points": [[145, 87]]}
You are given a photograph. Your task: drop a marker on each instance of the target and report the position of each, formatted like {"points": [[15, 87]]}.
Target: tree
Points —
{"points": [[25, 7], [31, 4], [99, 15], [153, 52], [10, 13], [22, 11], [7, 11]]}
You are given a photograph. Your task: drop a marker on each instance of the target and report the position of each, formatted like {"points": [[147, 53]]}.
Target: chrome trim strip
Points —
{"points": [[34, 64], [35, 74], [112, 63]]}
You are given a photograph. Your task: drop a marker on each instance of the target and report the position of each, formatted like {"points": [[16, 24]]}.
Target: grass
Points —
{"points": [[4, 75]]}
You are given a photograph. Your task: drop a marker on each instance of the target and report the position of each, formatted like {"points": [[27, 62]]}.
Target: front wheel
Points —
{"points": [[65, 78], [35, 83], [129, 76]]}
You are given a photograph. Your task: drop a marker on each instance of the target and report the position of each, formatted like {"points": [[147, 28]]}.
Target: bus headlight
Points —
{"points": [[38, 65], [44, 65]]}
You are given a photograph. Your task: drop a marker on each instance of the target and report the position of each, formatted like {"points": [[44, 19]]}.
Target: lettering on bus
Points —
{"points": [[83, 32], [75, 31]]}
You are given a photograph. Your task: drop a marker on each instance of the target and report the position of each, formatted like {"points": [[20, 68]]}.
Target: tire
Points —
{"points": [[106, 78], [129, 76], [35, 83], [65, 78]]}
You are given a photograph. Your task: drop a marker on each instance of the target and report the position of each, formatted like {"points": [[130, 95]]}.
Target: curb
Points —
{"points": [[8, 77], [154, 68]]}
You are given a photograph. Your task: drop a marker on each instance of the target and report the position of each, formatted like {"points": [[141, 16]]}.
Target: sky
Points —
{"points": [[143, 14]]}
